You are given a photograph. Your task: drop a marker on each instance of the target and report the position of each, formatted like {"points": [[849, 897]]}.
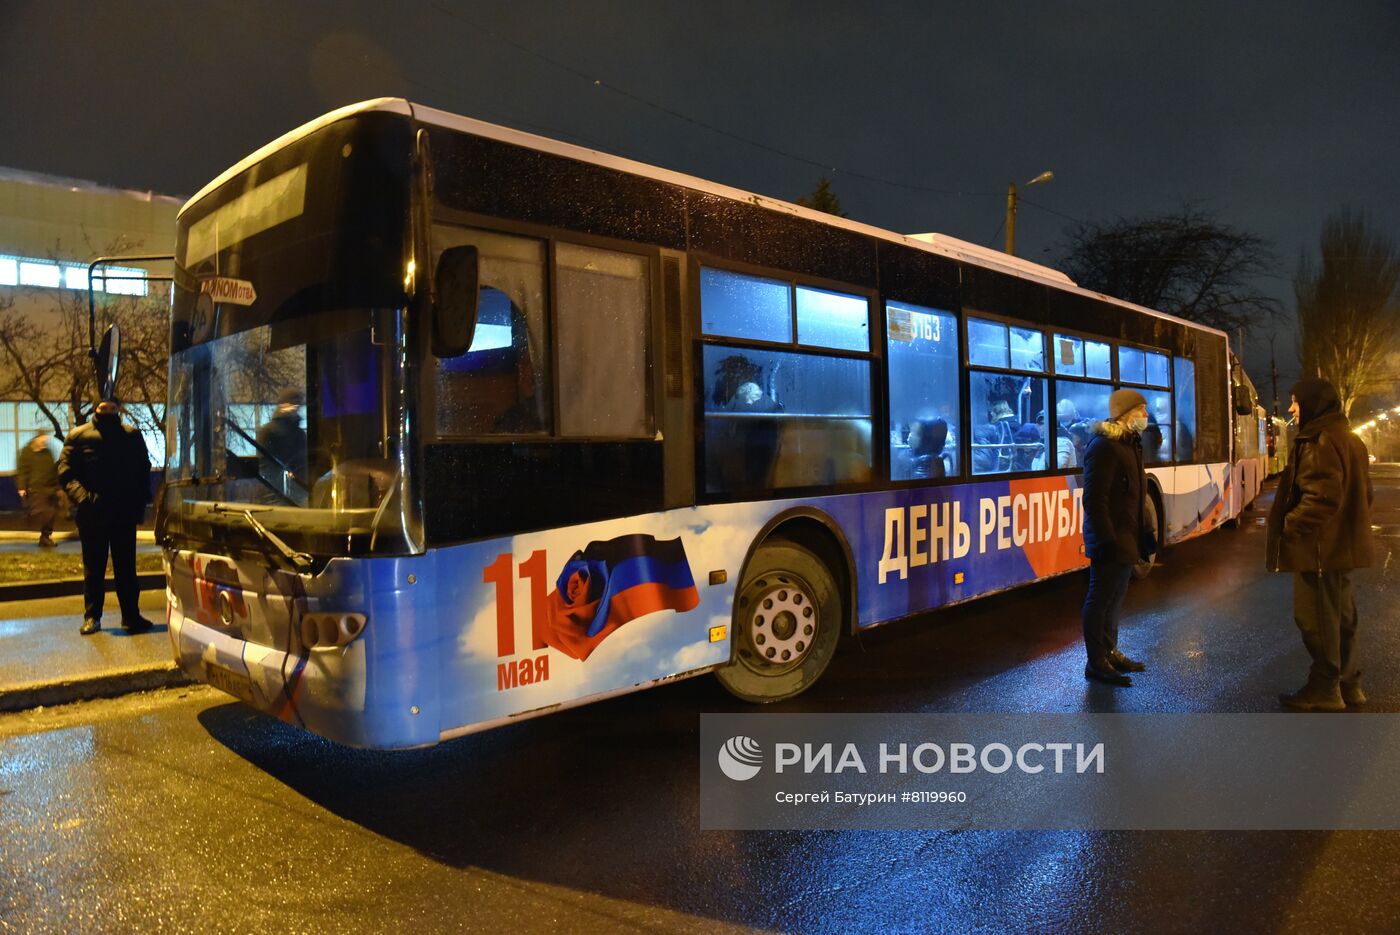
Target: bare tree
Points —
{"points": [[1186, 263], [44, 352], [1348, 306]]}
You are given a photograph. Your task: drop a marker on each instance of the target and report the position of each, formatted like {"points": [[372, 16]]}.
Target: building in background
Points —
{"points": [[50, 229]]}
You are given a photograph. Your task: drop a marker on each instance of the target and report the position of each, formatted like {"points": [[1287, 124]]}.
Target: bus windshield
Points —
{"points": [[297, 424]]}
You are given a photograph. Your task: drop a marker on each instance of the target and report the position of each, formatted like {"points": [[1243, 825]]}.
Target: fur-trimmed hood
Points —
{"points": [[1109, 428]]}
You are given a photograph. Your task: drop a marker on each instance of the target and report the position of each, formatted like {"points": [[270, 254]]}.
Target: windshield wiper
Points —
{"points": [[300, 562]]}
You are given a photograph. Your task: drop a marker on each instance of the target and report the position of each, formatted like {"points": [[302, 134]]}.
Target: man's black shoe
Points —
{"points": [[90, 626], [137, 625], [1107, 674], [1123, 663], [46, 543]]}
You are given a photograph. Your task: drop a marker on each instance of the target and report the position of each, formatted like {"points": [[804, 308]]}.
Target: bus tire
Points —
{"points": [[788, 615], [1152, 516]]}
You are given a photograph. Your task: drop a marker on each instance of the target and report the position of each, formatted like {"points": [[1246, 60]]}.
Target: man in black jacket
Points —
{"points": [[1115, 533], [106, 471], [1320, 529]]}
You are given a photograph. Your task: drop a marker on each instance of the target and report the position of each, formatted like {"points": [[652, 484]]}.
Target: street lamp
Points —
{"points": [[1011, 209]]}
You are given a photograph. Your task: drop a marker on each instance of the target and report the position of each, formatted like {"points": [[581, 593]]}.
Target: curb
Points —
{"points": [[68, 587], [105, 685]]}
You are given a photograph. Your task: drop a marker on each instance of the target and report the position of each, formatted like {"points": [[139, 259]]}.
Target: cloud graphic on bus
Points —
{"points": [[612, 582]]}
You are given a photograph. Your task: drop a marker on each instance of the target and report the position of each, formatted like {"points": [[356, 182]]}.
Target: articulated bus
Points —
{"points": [[468, 425]]}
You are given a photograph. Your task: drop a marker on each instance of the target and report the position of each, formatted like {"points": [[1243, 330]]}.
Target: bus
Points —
{"points": [[467, 425], [1251, 435], [1278, 443]]}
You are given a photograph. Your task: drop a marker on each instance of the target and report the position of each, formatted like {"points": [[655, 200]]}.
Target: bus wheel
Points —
{"points": [[1149, 515], [787, 621]]}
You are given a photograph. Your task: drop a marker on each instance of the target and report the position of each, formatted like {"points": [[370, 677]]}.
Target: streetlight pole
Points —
{"points": [[1011, 209]]}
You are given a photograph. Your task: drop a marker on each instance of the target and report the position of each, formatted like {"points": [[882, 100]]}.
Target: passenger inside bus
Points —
{"points": [[775, 420], [927, 440], [994, 441], [749, 446], [1030, 446]]}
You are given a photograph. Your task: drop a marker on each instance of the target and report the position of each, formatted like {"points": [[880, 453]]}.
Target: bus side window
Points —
{"points": [[776, 419], [1078, 406], [1157, 437], [922, 349], [604, 380], [1006, 437], [501, 385]]}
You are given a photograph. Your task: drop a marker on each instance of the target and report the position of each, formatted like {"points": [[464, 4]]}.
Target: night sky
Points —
{"points": [[1270, 115]]}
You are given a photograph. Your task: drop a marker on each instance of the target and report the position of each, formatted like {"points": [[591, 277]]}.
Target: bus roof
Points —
{"points": [[940, 244]]}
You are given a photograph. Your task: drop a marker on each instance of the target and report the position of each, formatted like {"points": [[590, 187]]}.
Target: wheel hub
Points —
{"points": [[781, 620]]}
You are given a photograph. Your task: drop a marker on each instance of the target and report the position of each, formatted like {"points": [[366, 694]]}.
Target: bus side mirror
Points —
{"points": [[107, 361], [454, 311], [1243, 405]]}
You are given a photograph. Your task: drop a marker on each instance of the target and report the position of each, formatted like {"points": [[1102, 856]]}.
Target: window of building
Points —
{"points": [[501, 385], [118, 280], [1097, 361], [832, 319], [777, 419], [1069, 355], [737, 306], [20, 421], [603, 300], [1185, 399], [40, 273], [922, 356]]}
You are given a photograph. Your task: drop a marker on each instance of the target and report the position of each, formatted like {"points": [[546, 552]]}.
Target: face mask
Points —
{"points": [[1137, 424]]}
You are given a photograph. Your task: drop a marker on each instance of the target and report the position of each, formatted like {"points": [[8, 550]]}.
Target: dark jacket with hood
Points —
{"points": [[1114, 485], [106, 471], [1321, 519]]}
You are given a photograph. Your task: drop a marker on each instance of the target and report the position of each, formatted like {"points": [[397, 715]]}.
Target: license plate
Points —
{"points": [[227, 680]]}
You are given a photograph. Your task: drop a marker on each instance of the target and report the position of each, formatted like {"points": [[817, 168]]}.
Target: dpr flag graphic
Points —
{"points": [[612, 582]]}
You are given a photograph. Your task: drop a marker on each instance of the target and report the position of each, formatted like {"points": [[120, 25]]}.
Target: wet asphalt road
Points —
{"points": [[185, 811]]}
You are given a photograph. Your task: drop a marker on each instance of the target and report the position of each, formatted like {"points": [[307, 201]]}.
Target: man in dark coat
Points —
{"points": [[1115, 533], [106, 472], [1320, 529], [36, 479]]}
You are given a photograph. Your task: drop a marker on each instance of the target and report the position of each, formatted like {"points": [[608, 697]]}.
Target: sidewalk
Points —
{"points": [[44, 661]]}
